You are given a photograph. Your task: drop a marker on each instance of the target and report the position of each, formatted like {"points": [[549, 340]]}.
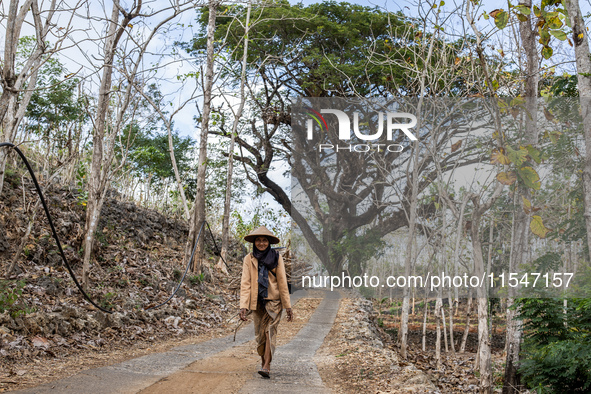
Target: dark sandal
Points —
{"points": [[264, 373]]}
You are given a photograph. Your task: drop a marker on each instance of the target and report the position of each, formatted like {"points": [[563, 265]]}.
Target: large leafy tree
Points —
{"points": [[149, 157], [330, 49], [319, 50]]}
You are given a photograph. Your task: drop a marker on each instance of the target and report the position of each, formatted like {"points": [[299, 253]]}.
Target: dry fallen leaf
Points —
{"points": [[40, 342]]}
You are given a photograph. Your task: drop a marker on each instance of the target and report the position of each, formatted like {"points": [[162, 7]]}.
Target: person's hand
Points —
{"points": [[289, 314], [243, 314]]}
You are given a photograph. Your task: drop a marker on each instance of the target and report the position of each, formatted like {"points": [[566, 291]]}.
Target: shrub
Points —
{"points": [[177, 274], [556, 352], [10, 292], [107, 301], [195, 279]]}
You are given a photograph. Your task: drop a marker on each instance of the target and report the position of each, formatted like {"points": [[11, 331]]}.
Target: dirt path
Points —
{"points": [[234, 370], [225, 372], [219, 363]]}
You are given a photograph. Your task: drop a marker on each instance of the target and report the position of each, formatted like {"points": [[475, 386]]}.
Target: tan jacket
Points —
{"points": [[249, 286]]}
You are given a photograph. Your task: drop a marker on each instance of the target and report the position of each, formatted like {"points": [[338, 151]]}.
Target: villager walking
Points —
{"points": [[264, 292]]}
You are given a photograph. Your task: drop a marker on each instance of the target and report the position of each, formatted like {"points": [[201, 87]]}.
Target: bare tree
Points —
{"points": [[18, 83], [198, 217], [580, 38], [438, 324], [237, 116], [104, 134], [484, 352], [520, 244], [101, 161], [467, 327]]}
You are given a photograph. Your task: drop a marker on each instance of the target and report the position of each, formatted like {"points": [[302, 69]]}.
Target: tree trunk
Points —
{"points": [[101, 160], [237, 116], [459, 233], [409, 250], [438, 338], [14, 100], [484, 354], [3, 159], [467, 328], [10, 79], [12, 110], [520, 244], [199, 208], [148, 184], [451, 323], [580, 39], [177, 177], [413, 208], [95, 202], [425, 324], [444, 328]]}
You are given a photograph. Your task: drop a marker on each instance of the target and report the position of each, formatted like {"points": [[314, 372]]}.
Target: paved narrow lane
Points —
{"points": [[134, 375], [293, 370]]}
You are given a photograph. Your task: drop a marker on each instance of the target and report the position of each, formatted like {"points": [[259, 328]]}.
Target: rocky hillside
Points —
{"points": [[137, 264]]}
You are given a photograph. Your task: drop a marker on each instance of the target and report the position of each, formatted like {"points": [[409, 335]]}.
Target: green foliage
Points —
{"points": [[548, 262], [566, 85], [359, 248], [81, 191], [56, 108], [196, 279], [547, 52], [333, 39], [107, 300], [262, 215], [176, 274], [10, 291], [501, 19], [557, 344], [530, 177], [144, 145], [149, 156], [551, 21], [217, 166]]}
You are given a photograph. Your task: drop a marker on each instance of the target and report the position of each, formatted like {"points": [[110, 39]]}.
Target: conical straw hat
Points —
{"points": [[262, 231]]}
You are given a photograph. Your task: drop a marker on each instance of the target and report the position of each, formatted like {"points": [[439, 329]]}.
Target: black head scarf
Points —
{"points": [[268, 260]]}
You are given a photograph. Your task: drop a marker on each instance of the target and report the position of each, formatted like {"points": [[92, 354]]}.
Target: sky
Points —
{"points": [[83, 57], [90, 22]]}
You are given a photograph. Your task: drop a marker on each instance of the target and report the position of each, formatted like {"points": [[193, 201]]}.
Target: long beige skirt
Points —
{"points": [[266, 320]]}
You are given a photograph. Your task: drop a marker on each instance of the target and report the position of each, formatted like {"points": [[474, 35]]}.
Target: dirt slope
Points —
{"points": [[137, 263]]}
